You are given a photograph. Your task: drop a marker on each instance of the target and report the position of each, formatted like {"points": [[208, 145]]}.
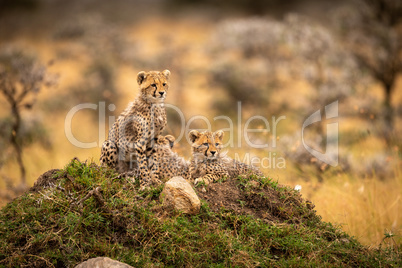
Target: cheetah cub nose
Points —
{"points": [[213, 152], [161, 93]]}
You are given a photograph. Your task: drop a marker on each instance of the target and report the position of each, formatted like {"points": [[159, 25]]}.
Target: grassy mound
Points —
{"points": [[85, 211]]}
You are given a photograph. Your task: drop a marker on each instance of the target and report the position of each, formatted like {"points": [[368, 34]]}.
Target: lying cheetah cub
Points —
{"points": [[208, 164], [133, 133], [170, 164]]}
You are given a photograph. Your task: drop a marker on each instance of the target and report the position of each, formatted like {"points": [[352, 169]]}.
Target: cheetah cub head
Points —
{"points": [[166, 142], [153, 85], [206, 145]]}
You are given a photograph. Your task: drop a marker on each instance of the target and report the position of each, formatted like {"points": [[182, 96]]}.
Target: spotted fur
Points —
{"points": [[132, 136], [208, 164], [170, 164]]}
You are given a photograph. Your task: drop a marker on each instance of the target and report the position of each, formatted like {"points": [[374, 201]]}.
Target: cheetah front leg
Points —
{"points": [[140, 153], [211, 177], [147, 165], [206, 179], [153, 164], [109, 154]]}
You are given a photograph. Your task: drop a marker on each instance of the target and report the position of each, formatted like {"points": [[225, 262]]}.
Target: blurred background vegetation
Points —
{"points": [[277, 58]]}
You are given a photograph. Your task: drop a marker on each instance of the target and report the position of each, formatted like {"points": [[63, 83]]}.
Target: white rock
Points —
{"points": [[102, 262], [179, 194]]}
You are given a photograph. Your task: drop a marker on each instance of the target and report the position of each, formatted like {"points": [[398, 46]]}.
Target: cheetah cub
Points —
{"points": [[131, 137], [208, 164], [170, 164]]}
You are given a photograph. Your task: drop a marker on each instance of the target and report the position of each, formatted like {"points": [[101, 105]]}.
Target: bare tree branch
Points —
{"points": [[21, 78]]}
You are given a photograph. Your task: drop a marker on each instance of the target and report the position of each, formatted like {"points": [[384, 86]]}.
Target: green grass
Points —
{"points": [[62, 226]]}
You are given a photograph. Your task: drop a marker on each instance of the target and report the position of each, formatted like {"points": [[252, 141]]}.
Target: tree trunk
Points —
{"points": [[388, 112], [15, 143]]}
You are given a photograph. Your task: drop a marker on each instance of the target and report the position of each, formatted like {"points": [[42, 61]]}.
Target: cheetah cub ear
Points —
{"points": [[171, 140], [219, 134], [166, 73], [193, 135], [141, 77]]}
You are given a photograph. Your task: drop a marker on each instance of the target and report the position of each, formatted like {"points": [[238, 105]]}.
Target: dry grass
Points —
{"points": [[366, 208]]}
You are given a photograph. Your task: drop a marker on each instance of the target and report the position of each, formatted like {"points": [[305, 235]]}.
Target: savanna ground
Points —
{"points": [[83, 211], [98, 47]]}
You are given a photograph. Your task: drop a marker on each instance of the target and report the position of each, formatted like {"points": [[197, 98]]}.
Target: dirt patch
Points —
{"points": [[265, 200], [271, 204], [47, 179]]}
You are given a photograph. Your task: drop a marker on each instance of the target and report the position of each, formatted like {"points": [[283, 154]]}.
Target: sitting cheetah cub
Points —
{"points": [[132, 136], [208, 164]]}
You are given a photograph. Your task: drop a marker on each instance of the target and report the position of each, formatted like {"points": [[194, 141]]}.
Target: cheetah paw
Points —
{"points": [[144, 187], [156, 182], [201, 181]]}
